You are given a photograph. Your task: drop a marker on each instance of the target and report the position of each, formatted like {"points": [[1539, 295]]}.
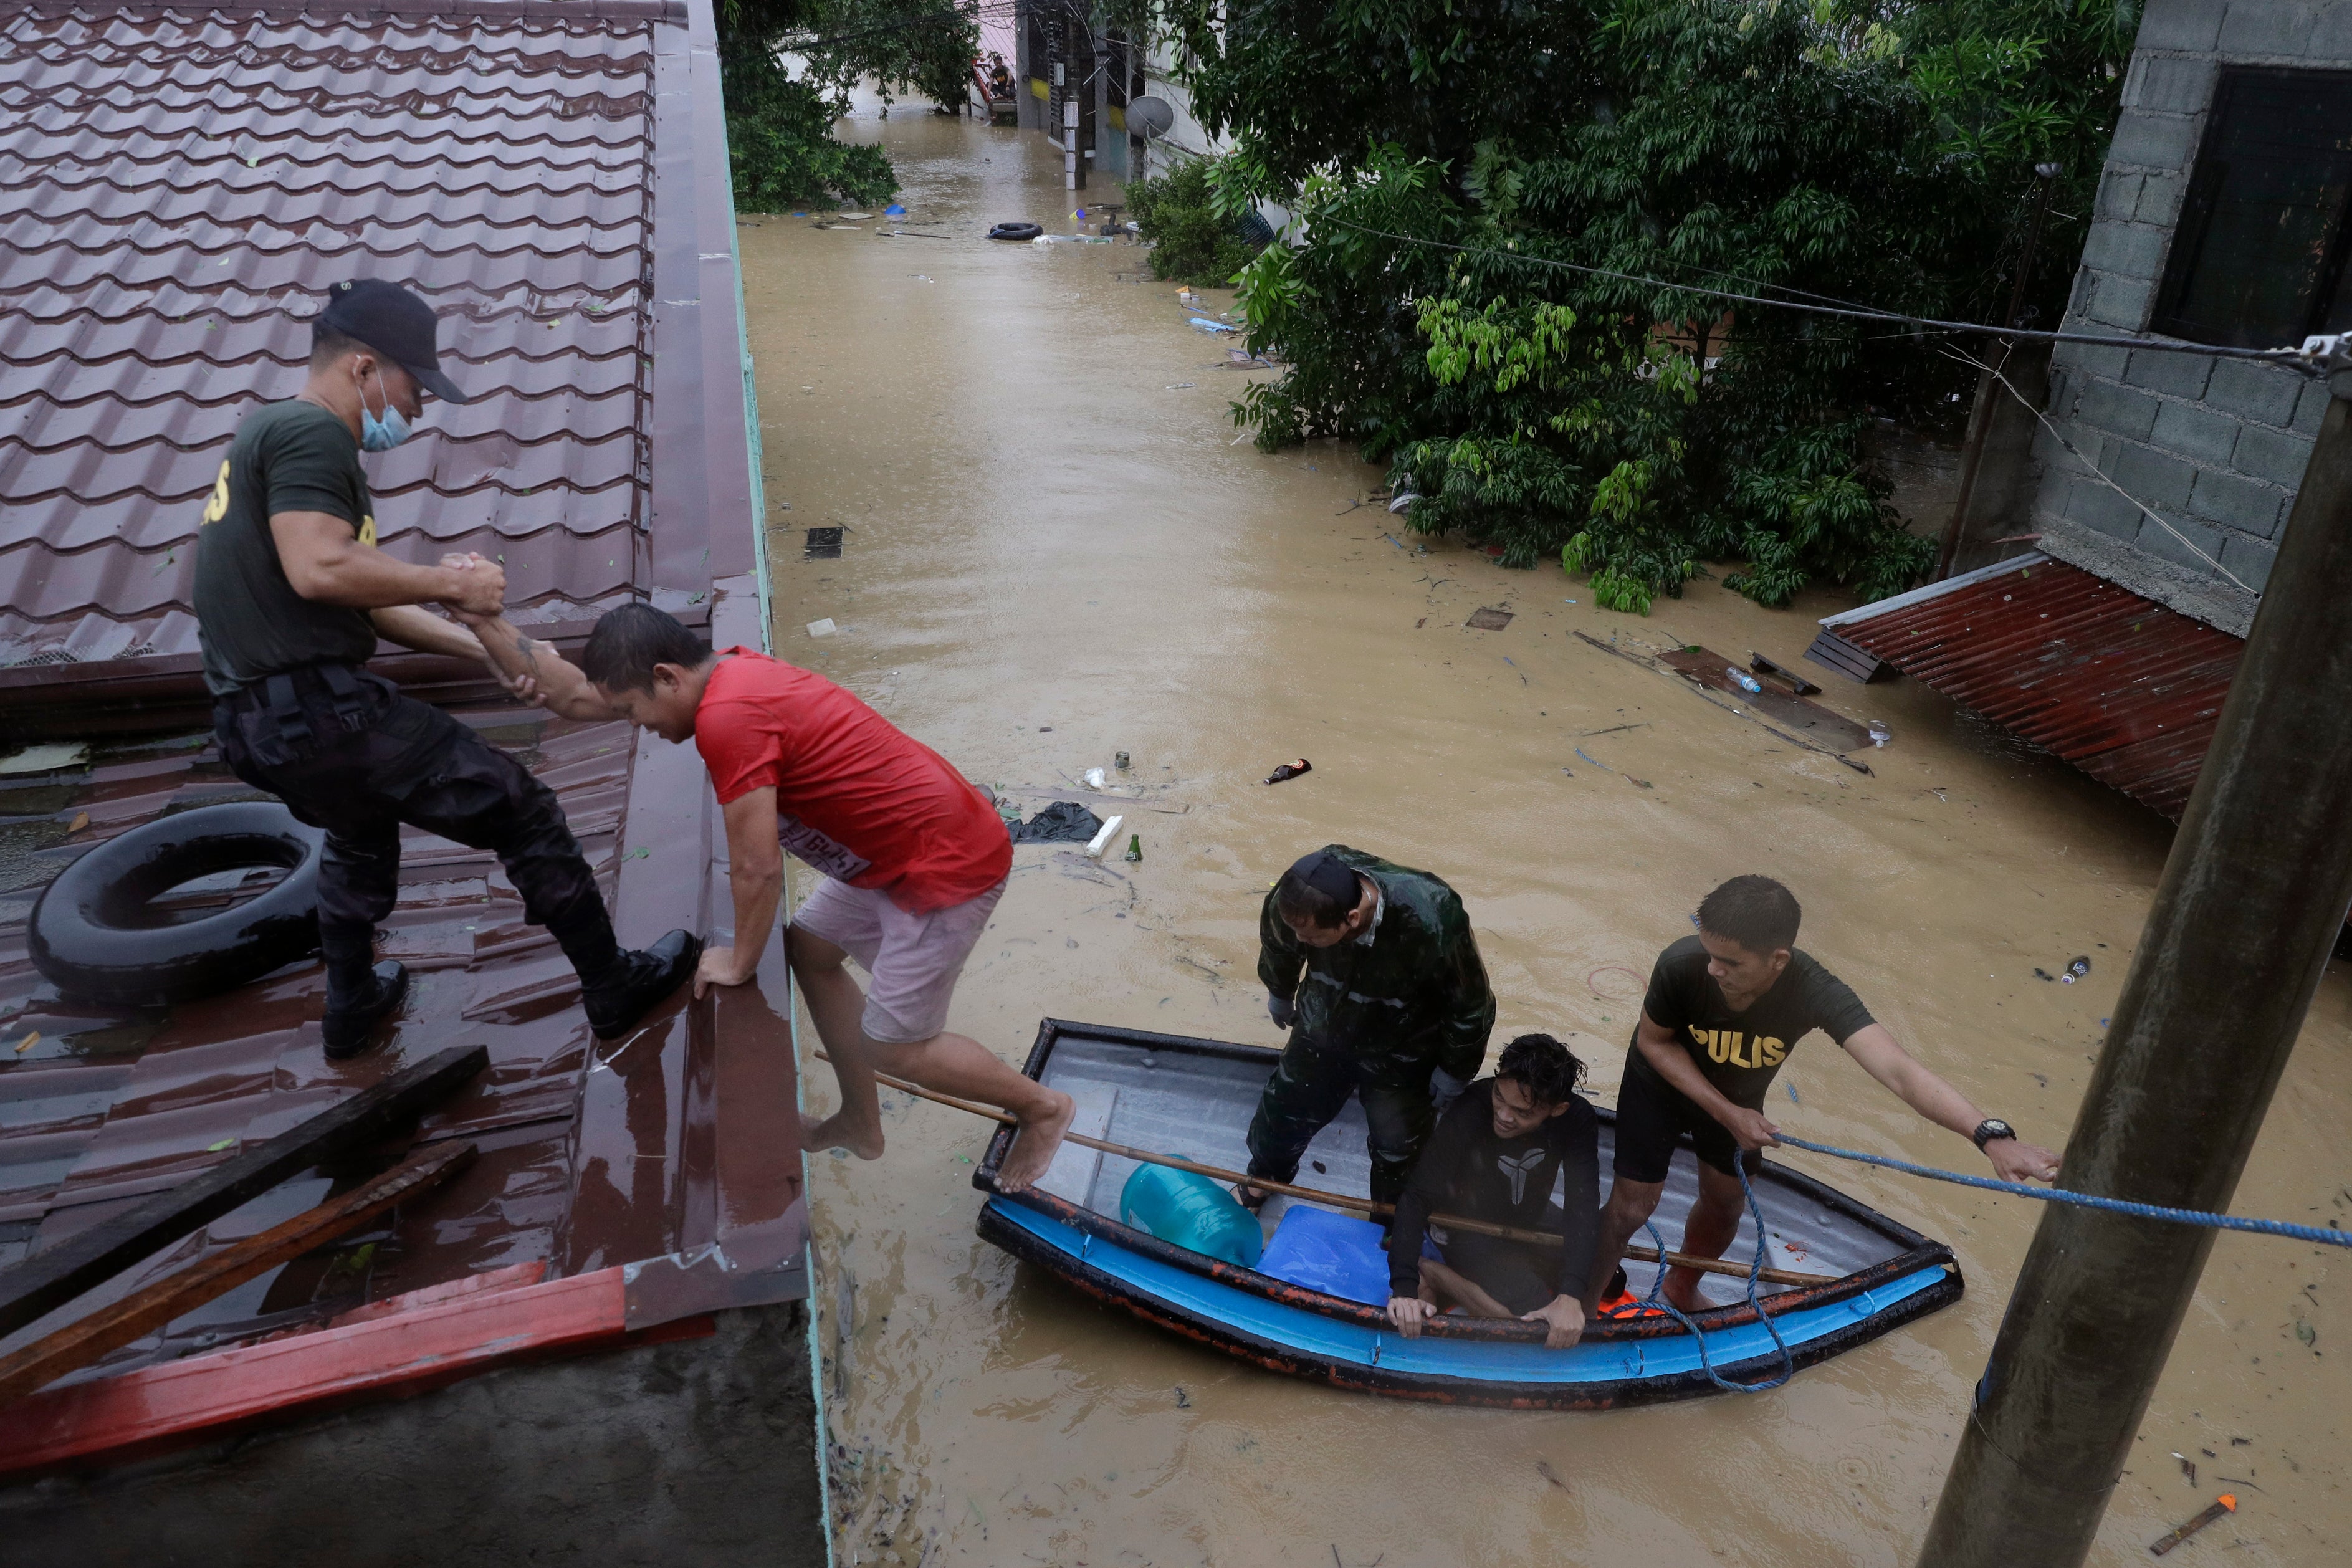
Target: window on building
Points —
{"points": [[2258, 260]]}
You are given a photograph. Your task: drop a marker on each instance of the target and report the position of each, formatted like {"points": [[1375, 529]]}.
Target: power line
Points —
{"points": [[2291, 357], [2097, 473]]}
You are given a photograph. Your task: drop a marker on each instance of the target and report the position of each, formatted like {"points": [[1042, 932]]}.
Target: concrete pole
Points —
{"points": [[2253, 897]]}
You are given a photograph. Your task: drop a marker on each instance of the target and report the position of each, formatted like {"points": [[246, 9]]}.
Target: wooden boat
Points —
{"points": [[1192, 1099]]}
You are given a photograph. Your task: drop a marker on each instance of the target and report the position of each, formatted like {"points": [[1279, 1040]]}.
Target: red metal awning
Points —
{"points": [[2121, 687]]}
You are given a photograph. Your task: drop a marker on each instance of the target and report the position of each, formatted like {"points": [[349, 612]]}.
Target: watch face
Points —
{"points": [[1992, 1130]]}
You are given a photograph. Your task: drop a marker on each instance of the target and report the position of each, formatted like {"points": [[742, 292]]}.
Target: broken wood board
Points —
{"points": [[1745, 708], [1832, 731], [175, 1295], [47, 1280]]}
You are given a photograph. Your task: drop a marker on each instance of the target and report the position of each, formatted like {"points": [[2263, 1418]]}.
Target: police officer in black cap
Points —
{"points": [[290, 596]]}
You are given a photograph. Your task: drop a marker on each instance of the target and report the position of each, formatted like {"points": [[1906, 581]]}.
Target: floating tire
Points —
{"points": [[96, 932], [1016, 231]]}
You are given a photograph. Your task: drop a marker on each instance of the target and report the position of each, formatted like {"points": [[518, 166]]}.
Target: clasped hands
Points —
{"points": [[482, 600]]}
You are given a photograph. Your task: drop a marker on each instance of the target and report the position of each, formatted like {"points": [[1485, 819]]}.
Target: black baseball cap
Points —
{"points": [[396, 324]]}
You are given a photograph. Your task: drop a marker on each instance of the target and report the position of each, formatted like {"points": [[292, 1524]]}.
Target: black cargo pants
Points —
{"points": [[347, 754], [1311, 1084]]}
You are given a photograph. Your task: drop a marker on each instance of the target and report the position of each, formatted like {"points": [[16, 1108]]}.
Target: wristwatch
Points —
{"points": [[1991, 1128]]}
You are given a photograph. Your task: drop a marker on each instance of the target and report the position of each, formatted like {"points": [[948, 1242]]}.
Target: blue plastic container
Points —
{"points": [[1190, 1211]]}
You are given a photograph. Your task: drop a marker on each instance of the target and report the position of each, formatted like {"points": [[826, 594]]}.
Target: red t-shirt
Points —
{"points": [[856, 797]]}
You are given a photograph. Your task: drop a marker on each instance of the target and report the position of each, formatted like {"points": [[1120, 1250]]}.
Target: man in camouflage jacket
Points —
{"points": [[1372, 968]]}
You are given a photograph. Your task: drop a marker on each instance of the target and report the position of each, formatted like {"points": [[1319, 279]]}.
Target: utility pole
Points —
{"points": [[2254, 894], [1989, 388]]}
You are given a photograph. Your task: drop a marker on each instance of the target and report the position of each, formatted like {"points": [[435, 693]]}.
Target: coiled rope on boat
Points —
{"points": [[1656, 1297]]}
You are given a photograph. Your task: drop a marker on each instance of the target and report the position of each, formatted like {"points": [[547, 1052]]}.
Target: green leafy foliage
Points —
{"points": [[780, 136], [1510, 205], [1194, 240]]}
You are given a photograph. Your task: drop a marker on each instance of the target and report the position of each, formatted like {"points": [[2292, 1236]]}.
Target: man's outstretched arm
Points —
{"points": [[535, 672], [2014, 1159]]}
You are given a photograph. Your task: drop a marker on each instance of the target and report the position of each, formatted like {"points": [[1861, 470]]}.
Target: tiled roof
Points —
{"points": [[2124, 688], [177, 190], [552, 175]]}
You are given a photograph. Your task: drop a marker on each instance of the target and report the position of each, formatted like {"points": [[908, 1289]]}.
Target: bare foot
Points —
{"points": [[1249, 1198], [832, 1132], [1034, 1145], [1683, 1291]]}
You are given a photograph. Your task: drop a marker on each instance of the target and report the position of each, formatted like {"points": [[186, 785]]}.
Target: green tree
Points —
{"points": [[780, 127], [1510, 205], [1192, 239]]}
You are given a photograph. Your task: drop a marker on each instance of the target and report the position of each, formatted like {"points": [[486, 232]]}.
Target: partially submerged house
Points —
{"points": [[592, 1343], [2155, 492]]}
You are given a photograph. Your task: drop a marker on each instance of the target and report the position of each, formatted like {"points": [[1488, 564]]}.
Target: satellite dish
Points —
{"points": [[1150, 117]]}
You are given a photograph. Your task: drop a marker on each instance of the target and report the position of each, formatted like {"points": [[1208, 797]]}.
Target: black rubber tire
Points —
{"points": [[87, 935], [1016, 231]]}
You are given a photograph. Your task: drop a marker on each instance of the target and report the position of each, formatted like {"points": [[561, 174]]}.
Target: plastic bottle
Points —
{"points": [[1186, 1209], [1879, 733], [1745, 682]]}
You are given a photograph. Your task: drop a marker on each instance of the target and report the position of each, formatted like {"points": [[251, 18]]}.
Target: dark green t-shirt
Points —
{"points": [[1741, 1052], [286, 456]]}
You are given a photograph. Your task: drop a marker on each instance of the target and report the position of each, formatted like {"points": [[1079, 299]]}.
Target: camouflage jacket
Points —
{"points": [[1414, 995]]}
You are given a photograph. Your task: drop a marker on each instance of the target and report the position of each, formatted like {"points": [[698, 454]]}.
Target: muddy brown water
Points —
{"points": [[1056, 549]]}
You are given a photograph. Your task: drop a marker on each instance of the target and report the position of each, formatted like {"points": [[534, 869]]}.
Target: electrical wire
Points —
{"points": [[2076, 453], [2290, 357]]}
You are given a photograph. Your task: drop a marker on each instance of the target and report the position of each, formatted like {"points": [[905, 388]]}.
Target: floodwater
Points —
{"points": [[1056, 549]]}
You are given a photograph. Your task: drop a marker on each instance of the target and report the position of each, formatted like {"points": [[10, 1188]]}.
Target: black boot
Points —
{"points": [[616, 1000], [349, 1025]]}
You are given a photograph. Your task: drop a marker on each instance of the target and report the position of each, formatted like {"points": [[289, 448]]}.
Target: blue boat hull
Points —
{"points": [[1304, 1341]]}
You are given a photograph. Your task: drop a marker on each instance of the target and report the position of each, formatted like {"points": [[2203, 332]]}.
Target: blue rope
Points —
{"points": [[2310, 1233], [1657, 1300]]}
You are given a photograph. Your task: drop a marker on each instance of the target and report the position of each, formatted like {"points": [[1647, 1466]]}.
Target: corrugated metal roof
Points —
{"points": [[176, 192], [2124, 688]]}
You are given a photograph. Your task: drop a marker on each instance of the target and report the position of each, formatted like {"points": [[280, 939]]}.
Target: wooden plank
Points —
{"points": [[1823, 727], [203, 1393], [117, 1324], [47, 1280]]}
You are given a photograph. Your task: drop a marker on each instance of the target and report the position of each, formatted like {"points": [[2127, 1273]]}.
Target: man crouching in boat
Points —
{"points": [[1493, 1158], [1372, 969], [1723, 1011]]}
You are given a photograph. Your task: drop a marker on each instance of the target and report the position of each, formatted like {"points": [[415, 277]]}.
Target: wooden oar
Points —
{"points": [[1340, 1199]]}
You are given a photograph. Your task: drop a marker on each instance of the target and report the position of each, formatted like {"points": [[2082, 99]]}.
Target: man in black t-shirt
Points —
{"points": [[1495, 1156], [292, 594], [1724, 1008]]}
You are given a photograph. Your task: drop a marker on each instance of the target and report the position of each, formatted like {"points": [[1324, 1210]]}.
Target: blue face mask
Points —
{"points": [[380, 434]]}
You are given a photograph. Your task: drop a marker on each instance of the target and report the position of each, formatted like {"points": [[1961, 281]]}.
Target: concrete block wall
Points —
{"points": [[2215, 447]]}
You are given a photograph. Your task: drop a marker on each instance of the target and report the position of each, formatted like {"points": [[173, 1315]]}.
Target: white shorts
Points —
{"points": [[914, 959]]}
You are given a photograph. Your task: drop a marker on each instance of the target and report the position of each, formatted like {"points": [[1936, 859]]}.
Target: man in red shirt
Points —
{"points": [[914, 858]]}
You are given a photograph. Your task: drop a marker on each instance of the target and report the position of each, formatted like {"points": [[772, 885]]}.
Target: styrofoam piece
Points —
{"points": [[1095, 845]]}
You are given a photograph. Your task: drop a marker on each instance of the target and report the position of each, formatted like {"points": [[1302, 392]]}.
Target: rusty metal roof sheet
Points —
{"points": [[177, 190], [2121, 687]]}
